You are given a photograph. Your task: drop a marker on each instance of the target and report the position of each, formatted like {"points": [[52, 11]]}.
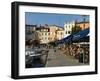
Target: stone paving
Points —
{"points": [[59, 59]]}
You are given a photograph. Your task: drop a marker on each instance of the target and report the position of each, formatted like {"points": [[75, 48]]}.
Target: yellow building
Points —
{"points": [[44, 37]]}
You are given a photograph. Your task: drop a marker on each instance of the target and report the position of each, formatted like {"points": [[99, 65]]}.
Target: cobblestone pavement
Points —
{"points": [[59, 59]]}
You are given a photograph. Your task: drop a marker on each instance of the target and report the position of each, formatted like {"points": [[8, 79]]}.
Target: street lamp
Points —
{"points": [[84, 20]]}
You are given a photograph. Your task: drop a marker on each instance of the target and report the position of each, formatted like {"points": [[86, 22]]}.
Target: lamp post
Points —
{"points": [[84, 20]]}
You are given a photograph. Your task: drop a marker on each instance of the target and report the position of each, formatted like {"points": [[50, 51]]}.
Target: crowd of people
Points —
{"points": [[77, 51]]}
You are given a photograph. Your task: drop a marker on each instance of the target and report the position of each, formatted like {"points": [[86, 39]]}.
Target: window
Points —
{"points": [[48, 33], [69, 26], [45, 33], [45, 38], [69, 32], [42, 33], [72, 25], [66, 32], [61, 33], [44, 30], [48, 38]]}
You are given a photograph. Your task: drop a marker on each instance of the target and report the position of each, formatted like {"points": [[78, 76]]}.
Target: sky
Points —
{"points": [[33, 18]]}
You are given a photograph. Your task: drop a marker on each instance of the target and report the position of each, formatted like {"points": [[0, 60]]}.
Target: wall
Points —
{"points": [[5, 40]]}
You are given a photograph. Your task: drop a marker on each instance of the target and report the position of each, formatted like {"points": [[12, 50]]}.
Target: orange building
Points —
{"points": [[83, 25], [52, 35]]}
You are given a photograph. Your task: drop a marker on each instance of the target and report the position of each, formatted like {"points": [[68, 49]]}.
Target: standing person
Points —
{"points": [[54, 49], [77, 52], [86, 57], [81, 55]]}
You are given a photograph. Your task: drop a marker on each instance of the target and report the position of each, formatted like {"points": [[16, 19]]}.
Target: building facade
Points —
{"points": [[30, 28], [68, 28], [52, 35], [49, 33], [59, 34], [83, 25], [44, 34], [29, 32]]}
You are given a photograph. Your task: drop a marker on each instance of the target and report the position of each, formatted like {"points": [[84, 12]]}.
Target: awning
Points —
{"points": [[84, 39], [65, 40], [80, 35]]}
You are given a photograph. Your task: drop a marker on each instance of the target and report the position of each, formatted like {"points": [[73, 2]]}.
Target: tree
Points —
{"points": [[53, 43], [36, 38], [33, 39], [76, 29], [36, 42]]}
